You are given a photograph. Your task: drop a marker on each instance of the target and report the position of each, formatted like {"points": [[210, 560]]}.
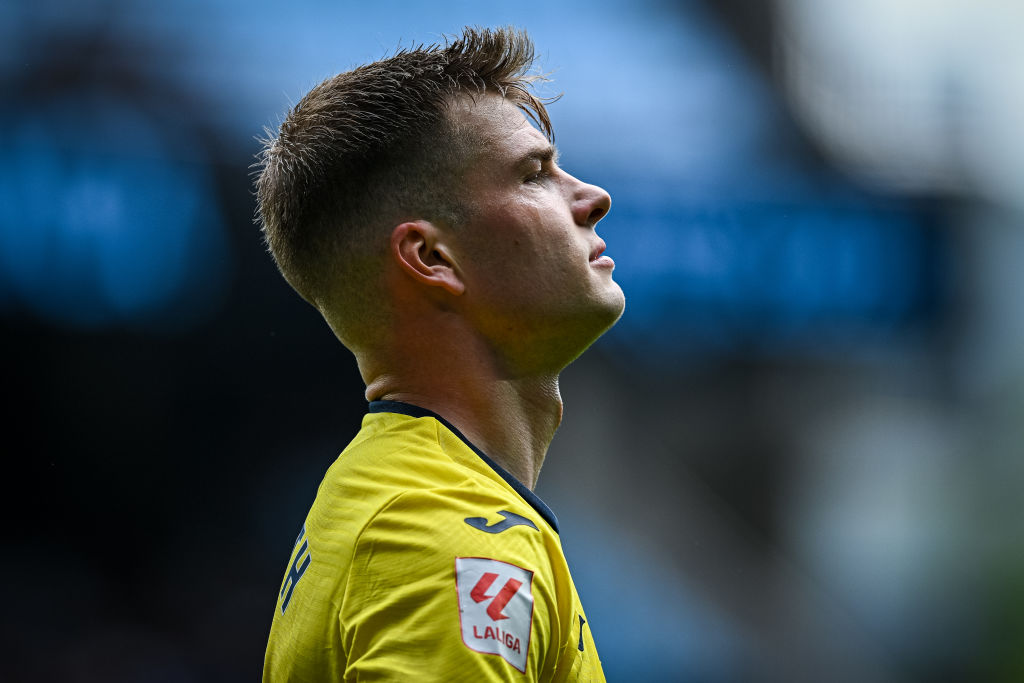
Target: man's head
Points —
{"points": [[372, 147], [417, 184]]}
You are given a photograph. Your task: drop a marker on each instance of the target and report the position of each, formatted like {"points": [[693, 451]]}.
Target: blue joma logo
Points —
{"points": [[511, 520]]}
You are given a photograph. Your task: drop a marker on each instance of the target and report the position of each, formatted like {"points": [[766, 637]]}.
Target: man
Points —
{"points": [[414, 205]]}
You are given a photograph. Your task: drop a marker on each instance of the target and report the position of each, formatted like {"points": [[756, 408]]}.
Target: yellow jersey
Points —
{"points": [[421, 559]]}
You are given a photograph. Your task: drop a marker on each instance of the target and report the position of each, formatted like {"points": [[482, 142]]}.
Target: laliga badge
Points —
{"points": [[495, 607]]}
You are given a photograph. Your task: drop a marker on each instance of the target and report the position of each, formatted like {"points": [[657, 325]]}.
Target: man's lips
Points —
{"points": [[598, 259]]}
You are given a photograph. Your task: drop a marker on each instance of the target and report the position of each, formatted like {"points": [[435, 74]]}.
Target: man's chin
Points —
{"points": [[604, 318], [616, 305]]}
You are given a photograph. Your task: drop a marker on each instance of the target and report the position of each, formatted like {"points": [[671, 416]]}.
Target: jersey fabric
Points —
{"points": [[421, 559]]}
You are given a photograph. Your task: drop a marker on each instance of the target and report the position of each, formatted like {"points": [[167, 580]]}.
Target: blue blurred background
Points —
{"points": [[796, 458]]}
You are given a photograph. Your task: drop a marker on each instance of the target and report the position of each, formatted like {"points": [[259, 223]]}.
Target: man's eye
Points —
{"points": [[537, 176]]}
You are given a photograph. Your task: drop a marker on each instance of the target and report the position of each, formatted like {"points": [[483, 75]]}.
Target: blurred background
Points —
{"points": [[796, 458]]}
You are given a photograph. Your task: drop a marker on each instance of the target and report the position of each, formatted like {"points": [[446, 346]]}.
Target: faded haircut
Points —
{"points": [[372, 147]]}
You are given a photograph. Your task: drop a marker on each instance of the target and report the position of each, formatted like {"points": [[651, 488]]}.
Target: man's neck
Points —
{"points": [[511, 420]]}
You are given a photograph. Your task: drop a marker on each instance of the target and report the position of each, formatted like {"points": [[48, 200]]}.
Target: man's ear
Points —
{"points": [[421, 251]]}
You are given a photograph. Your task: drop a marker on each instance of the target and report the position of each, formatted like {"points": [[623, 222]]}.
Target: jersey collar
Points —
{"points": [[415, 411]]}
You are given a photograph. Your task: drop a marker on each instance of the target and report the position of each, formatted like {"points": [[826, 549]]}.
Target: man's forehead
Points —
{"points": [[496, 122]]}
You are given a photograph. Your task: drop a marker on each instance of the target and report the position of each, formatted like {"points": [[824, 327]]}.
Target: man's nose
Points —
{"points": [[590, 204]]}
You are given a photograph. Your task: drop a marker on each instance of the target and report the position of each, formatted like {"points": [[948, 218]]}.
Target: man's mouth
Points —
{"points": [[597, 257]]}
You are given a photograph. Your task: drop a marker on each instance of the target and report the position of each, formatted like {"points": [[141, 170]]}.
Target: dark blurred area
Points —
{"points": [[797, 457]]}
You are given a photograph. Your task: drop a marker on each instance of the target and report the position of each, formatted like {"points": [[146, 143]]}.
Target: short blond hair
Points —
{"points": [[372, 146]]}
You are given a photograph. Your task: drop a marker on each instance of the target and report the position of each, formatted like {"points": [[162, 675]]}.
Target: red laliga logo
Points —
{"points": [[500, 600], [495, 621]]}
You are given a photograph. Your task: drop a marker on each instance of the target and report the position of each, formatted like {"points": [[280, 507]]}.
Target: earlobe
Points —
{"points": [[419, 250]]}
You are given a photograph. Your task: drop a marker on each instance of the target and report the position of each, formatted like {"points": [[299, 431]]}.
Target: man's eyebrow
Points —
{"points": [[543, 154]]}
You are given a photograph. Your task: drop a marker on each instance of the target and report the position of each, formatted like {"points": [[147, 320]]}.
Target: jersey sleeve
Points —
{"points": [[431, 595]]}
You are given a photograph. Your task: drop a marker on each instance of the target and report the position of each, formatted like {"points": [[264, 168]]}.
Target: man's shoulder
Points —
{"points": [[474, 517], [397, 456], [396, 474], [393, 445], [428, 536], [471, 512]]}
